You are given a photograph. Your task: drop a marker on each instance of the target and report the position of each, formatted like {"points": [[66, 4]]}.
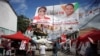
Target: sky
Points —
{"points": [[28, 7]]}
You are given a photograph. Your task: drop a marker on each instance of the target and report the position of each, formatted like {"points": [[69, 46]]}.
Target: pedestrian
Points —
{"points": [[56, 47], [29, 49], [7, 46], [42, 49], [33, 48], [91, 50]]}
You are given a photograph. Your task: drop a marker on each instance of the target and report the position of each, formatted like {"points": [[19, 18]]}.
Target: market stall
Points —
{"points": [[16, 36], [21, 43]]}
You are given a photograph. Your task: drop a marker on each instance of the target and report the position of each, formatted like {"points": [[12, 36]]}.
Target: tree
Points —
{"points": [[23, 23]]}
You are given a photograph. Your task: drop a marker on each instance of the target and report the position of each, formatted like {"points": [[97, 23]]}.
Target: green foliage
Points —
{"points": [[22, 23]]}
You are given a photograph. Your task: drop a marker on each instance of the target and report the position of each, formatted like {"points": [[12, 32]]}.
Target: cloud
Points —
{"points": [[22, 7]]}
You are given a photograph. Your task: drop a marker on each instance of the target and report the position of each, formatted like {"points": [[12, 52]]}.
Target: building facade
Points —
{"points": [[8, 18]]}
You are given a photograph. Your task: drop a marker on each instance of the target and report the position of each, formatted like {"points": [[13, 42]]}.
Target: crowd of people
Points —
{"points": [[73, 46], [80, 48]]}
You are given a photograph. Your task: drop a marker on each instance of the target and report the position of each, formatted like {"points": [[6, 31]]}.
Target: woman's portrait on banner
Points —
{"points": [[41, 17]]}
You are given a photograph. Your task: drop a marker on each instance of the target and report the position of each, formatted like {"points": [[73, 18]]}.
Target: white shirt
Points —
{"points": [[43, 49], [33, 48], [22, 46]]}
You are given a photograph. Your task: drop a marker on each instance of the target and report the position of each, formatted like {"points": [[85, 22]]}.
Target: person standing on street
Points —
{"points": [[43, 49], [33, 48], [56, 47]]}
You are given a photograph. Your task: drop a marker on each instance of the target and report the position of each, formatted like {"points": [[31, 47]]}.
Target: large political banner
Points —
{"points": [[67, 18], [61, 17]]}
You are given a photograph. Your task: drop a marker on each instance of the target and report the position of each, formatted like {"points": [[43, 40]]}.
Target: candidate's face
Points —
{"points": [[69, 10], [41, 11]]}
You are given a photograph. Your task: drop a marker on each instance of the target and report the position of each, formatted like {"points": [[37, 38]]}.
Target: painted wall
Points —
{"points": [[8, 18]]}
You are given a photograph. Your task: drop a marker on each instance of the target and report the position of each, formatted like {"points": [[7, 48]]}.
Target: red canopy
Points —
{"points": [[93, 34], [85, 36], [17, 36]]}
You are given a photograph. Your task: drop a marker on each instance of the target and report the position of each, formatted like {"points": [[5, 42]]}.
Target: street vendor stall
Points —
{"points": [[94, 34], [88, 39], [16, 36], [23, 40]]}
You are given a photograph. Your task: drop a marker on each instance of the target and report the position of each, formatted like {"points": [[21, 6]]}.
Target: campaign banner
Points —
{"points": [[57, 20], [58, 17]]}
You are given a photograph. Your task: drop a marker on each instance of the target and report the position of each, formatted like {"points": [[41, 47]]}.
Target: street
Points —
{"points": [[49, 53]]}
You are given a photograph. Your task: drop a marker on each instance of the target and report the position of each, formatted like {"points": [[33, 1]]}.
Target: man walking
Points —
{"points": [[56, 47], [43, 50]]}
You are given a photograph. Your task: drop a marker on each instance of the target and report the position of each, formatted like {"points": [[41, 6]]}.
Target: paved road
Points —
{"points": [[49, 53]]}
